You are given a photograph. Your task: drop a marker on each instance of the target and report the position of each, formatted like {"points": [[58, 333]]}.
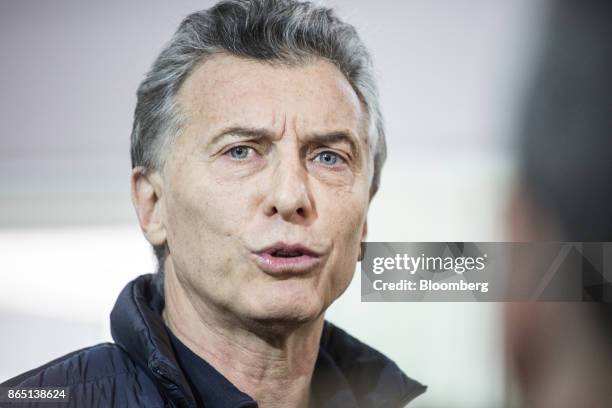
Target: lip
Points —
{"points": [[297, 265]]}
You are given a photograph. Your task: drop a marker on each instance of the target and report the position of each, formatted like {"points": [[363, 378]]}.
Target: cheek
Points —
{"points": [[203, 216], [345, 216], [346, 213], [205, 206]]}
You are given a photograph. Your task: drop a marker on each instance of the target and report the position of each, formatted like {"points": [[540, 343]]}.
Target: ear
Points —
{"points": [[364, 233], [147, 193]]}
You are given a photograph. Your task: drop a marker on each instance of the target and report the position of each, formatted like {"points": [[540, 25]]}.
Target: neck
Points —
{"points": [[273, 367]]}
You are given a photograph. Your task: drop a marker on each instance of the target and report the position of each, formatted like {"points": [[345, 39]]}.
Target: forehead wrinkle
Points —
{"points": [[284, 123], [195, 101]]}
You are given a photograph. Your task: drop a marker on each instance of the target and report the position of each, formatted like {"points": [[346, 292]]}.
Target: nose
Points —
{"points": [[290, 196]]}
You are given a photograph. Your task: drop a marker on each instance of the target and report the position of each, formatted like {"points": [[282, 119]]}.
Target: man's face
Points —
{"points": [[266, 191]]}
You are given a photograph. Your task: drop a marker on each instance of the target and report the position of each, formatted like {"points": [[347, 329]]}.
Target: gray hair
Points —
{"points": [[285, 31]]}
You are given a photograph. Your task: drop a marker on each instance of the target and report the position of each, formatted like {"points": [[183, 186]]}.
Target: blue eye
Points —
{"points": [[239, 152], [327, 158]]}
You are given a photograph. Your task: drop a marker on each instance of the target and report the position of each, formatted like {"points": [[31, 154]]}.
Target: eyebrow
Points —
{"points": [[242, 132], [337, 136]]}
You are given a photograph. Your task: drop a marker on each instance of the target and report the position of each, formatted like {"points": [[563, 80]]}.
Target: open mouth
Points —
{"points": [[286, 254], [282, 259]]}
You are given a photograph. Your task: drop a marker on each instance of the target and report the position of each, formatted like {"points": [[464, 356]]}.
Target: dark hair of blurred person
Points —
{"points": [[562, 352]]}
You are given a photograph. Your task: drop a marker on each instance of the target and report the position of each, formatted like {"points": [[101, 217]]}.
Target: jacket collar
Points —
{"points": [[137, 327]]}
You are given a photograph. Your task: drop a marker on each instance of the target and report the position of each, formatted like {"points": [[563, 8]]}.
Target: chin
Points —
{"points": [[288, 304]]}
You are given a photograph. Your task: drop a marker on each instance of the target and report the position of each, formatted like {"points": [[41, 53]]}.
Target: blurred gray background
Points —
{"points": [[451, 75]]}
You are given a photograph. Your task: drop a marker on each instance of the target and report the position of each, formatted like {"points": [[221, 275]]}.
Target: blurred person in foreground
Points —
{"points": [[562, 352], [257, 146]]}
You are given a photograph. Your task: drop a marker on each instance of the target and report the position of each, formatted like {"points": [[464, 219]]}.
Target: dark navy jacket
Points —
{"points": [[141, 369]]}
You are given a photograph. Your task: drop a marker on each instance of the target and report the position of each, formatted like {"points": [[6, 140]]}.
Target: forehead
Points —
{"points": [[226, 90]]}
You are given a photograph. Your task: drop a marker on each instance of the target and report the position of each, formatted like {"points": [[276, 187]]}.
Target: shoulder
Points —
{"points": [[84, 365], [104, 370], [367, 368]]}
